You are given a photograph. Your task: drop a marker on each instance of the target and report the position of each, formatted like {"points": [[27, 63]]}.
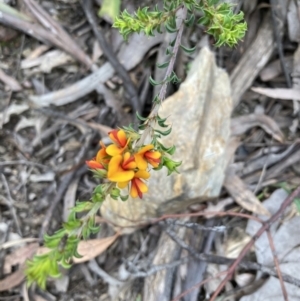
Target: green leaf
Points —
{"points": [[115, 192], [190, 21], [163, 65], [140, 117], [110, 9], [162, 124], [164, 133], [171, 150], [142, 127], [188, 50], [170, 29], [168, 51], [153, 82], [124, 197]]}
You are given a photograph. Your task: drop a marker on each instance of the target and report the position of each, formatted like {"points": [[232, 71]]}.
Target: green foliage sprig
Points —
{"points": [[127, 162], [219, 19]]}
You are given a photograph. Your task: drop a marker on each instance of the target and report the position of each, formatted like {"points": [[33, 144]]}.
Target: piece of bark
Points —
{"points": [[253, 60], [200, 117]]}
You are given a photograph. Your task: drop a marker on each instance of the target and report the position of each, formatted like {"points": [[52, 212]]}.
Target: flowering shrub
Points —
{"points": [[126, 164]]}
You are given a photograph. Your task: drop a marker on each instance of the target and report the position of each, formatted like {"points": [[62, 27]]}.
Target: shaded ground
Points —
{"points": [[43, 148]]}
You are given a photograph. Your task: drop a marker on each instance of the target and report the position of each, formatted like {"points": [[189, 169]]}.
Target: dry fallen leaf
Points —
{"points": [[240, 125], [274, 69], [19, 256], [89, 249], [12, 280], [279, 93], [242, 195], [92, 248]]}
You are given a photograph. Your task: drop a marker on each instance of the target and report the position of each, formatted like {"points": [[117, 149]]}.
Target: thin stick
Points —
{"points": [[163, 89], [10, 203], [276, 262]]}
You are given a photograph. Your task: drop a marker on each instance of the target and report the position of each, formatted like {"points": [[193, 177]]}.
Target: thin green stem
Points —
{"points": [[163, 90]]}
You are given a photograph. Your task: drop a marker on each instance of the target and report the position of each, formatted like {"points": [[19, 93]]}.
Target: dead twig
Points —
{"points": [[266, 225], [9, 201], [87, 6], [276, 262], [196, 226], [23, 162], [278, 38]]}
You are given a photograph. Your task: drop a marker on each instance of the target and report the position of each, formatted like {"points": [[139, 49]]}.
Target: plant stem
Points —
{"points": [[163, 89]]}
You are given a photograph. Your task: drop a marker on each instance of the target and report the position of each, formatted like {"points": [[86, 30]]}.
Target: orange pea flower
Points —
{"points": [[138, 187], [145, 155], [120, 168], [94, 164], [102, 156], [120, 142]]}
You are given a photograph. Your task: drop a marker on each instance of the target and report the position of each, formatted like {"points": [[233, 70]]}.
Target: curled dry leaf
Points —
{"points": [[242, 124], [242, 195]]}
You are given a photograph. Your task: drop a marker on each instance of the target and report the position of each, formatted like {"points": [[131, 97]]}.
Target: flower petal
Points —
{"points": [[122, 185], [118, 137], [153, 155], [140, 161], [128, 161], [122, 139], [145, 149], [141, 185], [143, 174], [114, 150], [116, 173], [137, 188], [133, 190], [94, 164]]}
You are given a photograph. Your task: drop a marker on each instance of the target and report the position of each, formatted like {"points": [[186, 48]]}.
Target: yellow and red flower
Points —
{"points": [[120, 168], [94, 164], [146, 155], [102, 156], [120, 142], [138, 187]]}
